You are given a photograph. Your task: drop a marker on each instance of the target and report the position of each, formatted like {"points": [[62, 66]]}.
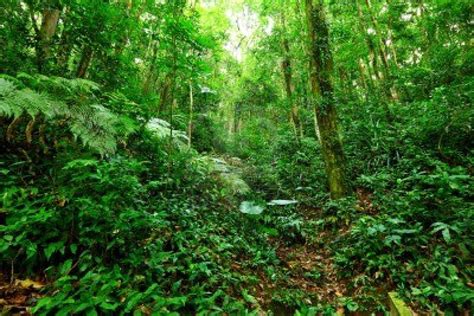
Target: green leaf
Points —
{"points": [[73, 248], [133, 301], [446, 235], [83, 306], [393, 238], [66, 266], [249, 298], [31, 250], [249, 207], [109, 306], [91, 312], [52, 248]]}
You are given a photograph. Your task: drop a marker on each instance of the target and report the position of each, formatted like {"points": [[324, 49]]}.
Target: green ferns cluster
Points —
{"points": [[74, 105]]}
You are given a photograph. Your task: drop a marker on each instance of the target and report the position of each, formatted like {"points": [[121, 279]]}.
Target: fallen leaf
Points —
{"points": [[29, 284]]}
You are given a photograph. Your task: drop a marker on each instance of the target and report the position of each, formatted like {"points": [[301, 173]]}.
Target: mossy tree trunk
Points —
{"points": [[288, 77], [323, 94]]}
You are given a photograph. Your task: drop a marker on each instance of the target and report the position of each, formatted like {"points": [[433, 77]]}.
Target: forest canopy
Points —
{"points": [[248, 157]]}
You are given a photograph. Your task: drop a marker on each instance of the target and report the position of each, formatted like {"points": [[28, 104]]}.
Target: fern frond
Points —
{"points": [[162, 129], [15, 102], [27, 79], [84, 86], [13, 80], [93, 125], [6, 87], [66, 88]]}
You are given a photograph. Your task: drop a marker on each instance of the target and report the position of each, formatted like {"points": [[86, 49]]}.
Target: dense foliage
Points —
{"points": [[236, 157]]}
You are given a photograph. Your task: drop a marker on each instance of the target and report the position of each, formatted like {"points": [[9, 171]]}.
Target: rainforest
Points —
{"points": [[236, 157]]}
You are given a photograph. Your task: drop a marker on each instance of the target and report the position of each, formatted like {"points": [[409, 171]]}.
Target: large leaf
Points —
{"points": [[250, 207]]}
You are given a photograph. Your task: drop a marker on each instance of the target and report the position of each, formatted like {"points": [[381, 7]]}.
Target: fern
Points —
{"points": [[7, 89], [58, 86], [93, 124], [67, 87], [12, 80], [162, 129]]}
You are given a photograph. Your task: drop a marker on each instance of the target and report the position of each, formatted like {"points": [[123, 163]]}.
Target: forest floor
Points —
{"points": [[305, 271], [307, 268], [310, 270], [17, 295]]}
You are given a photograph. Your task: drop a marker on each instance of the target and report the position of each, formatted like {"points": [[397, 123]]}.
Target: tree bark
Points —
{"points": [[323, 94], [84, 63], [45, 35], [287, 75], [64, 52], [190, 123], [382, 74], [237, 117], [151, 76], [165, 92], [381, 44], [370, 45], [382, 47]]}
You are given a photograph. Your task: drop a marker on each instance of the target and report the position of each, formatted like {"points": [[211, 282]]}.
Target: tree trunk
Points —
{"points": [[64, 54], [190, 123], [365, 78], [382, 74], [378, 35], [237, 117], [287, 75], [151, 76], [323, 94], [382, 46], [345, 84], [65, 44], [370, 45], [46, 33], [84, 63], [165, 92]]}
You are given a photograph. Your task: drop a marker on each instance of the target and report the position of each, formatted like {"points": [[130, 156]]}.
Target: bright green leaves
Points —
{"points": [[445, 230], [94, 125], [53, 248]]}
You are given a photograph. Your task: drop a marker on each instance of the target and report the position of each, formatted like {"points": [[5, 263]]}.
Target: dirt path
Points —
{"points": [[306, 268], [17, 296], [312, 270]]}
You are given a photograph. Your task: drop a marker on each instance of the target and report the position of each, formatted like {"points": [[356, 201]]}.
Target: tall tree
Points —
{"points": [[323, 94], [85, 61], [288, 77], [49, 23], [191, 109], [382, 48]]}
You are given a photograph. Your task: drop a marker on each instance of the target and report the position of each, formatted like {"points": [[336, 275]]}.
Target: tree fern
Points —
{"points": [[67, 87], [58, 86], [59, 99]]}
